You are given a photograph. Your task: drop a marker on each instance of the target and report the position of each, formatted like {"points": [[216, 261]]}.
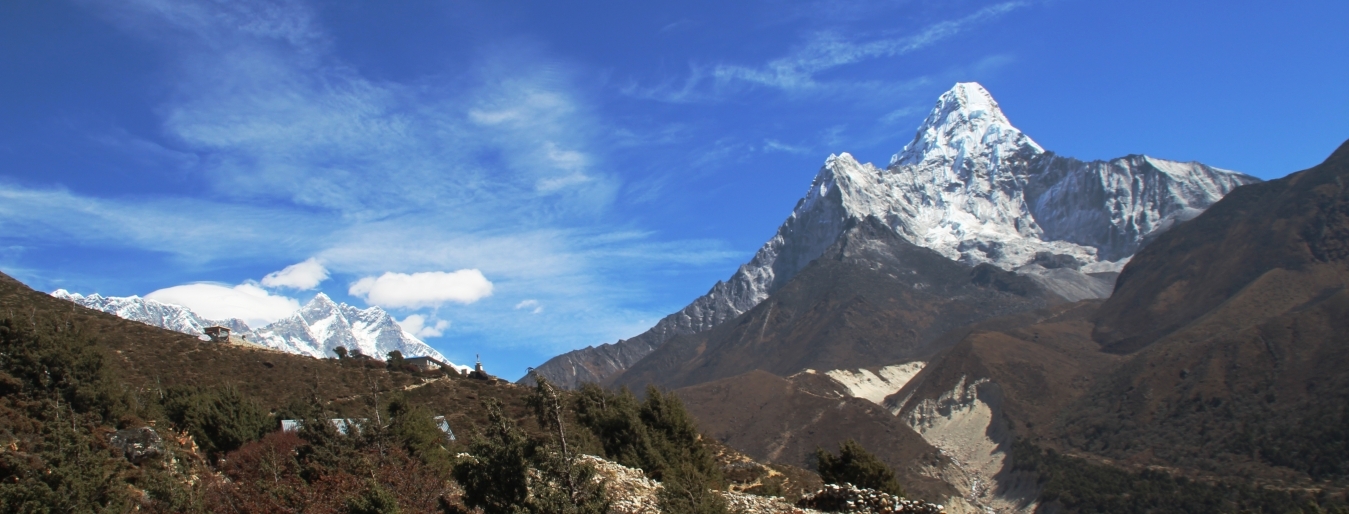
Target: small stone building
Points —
{"points": [[218, 334], [425, 363]]}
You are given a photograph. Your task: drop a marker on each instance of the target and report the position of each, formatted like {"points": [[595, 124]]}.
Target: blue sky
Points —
{"points": [[599, 164]]}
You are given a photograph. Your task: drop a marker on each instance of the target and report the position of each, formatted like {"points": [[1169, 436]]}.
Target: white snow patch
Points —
{"points": [[874, 387]]}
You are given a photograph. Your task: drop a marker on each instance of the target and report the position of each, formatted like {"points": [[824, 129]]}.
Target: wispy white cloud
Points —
{"points": [[827, 50], [676, 25], [798, 72], [423, 326], [531, 304], [773, 145], [191, 229], [691, 88], [303, 276], [901, 113], [425, 289], [259, 94]]}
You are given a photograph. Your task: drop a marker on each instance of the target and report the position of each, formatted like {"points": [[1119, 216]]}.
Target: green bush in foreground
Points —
{"points": [[656, 434], [220, 419], [685, 491], [855, 465], [511, 473]]}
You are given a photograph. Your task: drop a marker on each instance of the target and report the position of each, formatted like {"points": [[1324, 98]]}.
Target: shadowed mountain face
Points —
{"points": [[871, 298]]}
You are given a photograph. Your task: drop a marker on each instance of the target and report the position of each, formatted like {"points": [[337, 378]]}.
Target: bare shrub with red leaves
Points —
{"points": [[270, 476]]}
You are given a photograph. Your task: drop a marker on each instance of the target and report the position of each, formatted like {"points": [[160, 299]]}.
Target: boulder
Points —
{"points": [[138, 444]]}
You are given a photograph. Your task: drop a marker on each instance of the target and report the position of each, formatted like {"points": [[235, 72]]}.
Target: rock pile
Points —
{"points": [[751, 504], [137, 444], [847, 498], [629, 488], [633, 493]]}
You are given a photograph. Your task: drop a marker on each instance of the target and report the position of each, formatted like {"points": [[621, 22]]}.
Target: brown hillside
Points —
{"points": [[1240, 324], [784, 420], [151, 358], [1040, 362], [1289, 223]]}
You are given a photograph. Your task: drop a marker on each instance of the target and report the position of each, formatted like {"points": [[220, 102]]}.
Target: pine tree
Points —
{"points": [[855, 465], [675, 436], [685, 491], [496, 476], [413, 427], [567, 486], [395, 362]]}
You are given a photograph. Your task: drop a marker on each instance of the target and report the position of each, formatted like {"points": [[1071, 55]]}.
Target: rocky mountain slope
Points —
{"points": [[1213, 377], [969, 186], [1235, 325], [871, 298], [315, 330], [1220, 356]]}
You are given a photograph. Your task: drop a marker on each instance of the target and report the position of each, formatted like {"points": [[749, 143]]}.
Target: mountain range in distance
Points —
{"points": [[315, 330], [971, 188]]}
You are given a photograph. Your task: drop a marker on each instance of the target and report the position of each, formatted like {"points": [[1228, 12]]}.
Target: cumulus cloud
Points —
{"points": [[302, 275], [531, 304], [423, 327], [427, 289], [246, 301]]}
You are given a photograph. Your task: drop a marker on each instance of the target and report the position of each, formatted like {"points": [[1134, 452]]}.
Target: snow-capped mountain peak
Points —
{"points": [[320, 308], [966, 123], [970, 186], [322, 325]]}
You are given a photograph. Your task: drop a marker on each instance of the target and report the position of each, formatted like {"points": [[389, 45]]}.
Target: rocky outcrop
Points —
{"points": [[849, 498], [137, 444]]}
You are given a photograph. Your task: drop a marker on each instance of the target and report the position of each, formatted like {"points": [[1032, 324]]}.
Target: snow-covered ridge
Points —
{"points": [[315, 330], [976, 189], [163, 315]]}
